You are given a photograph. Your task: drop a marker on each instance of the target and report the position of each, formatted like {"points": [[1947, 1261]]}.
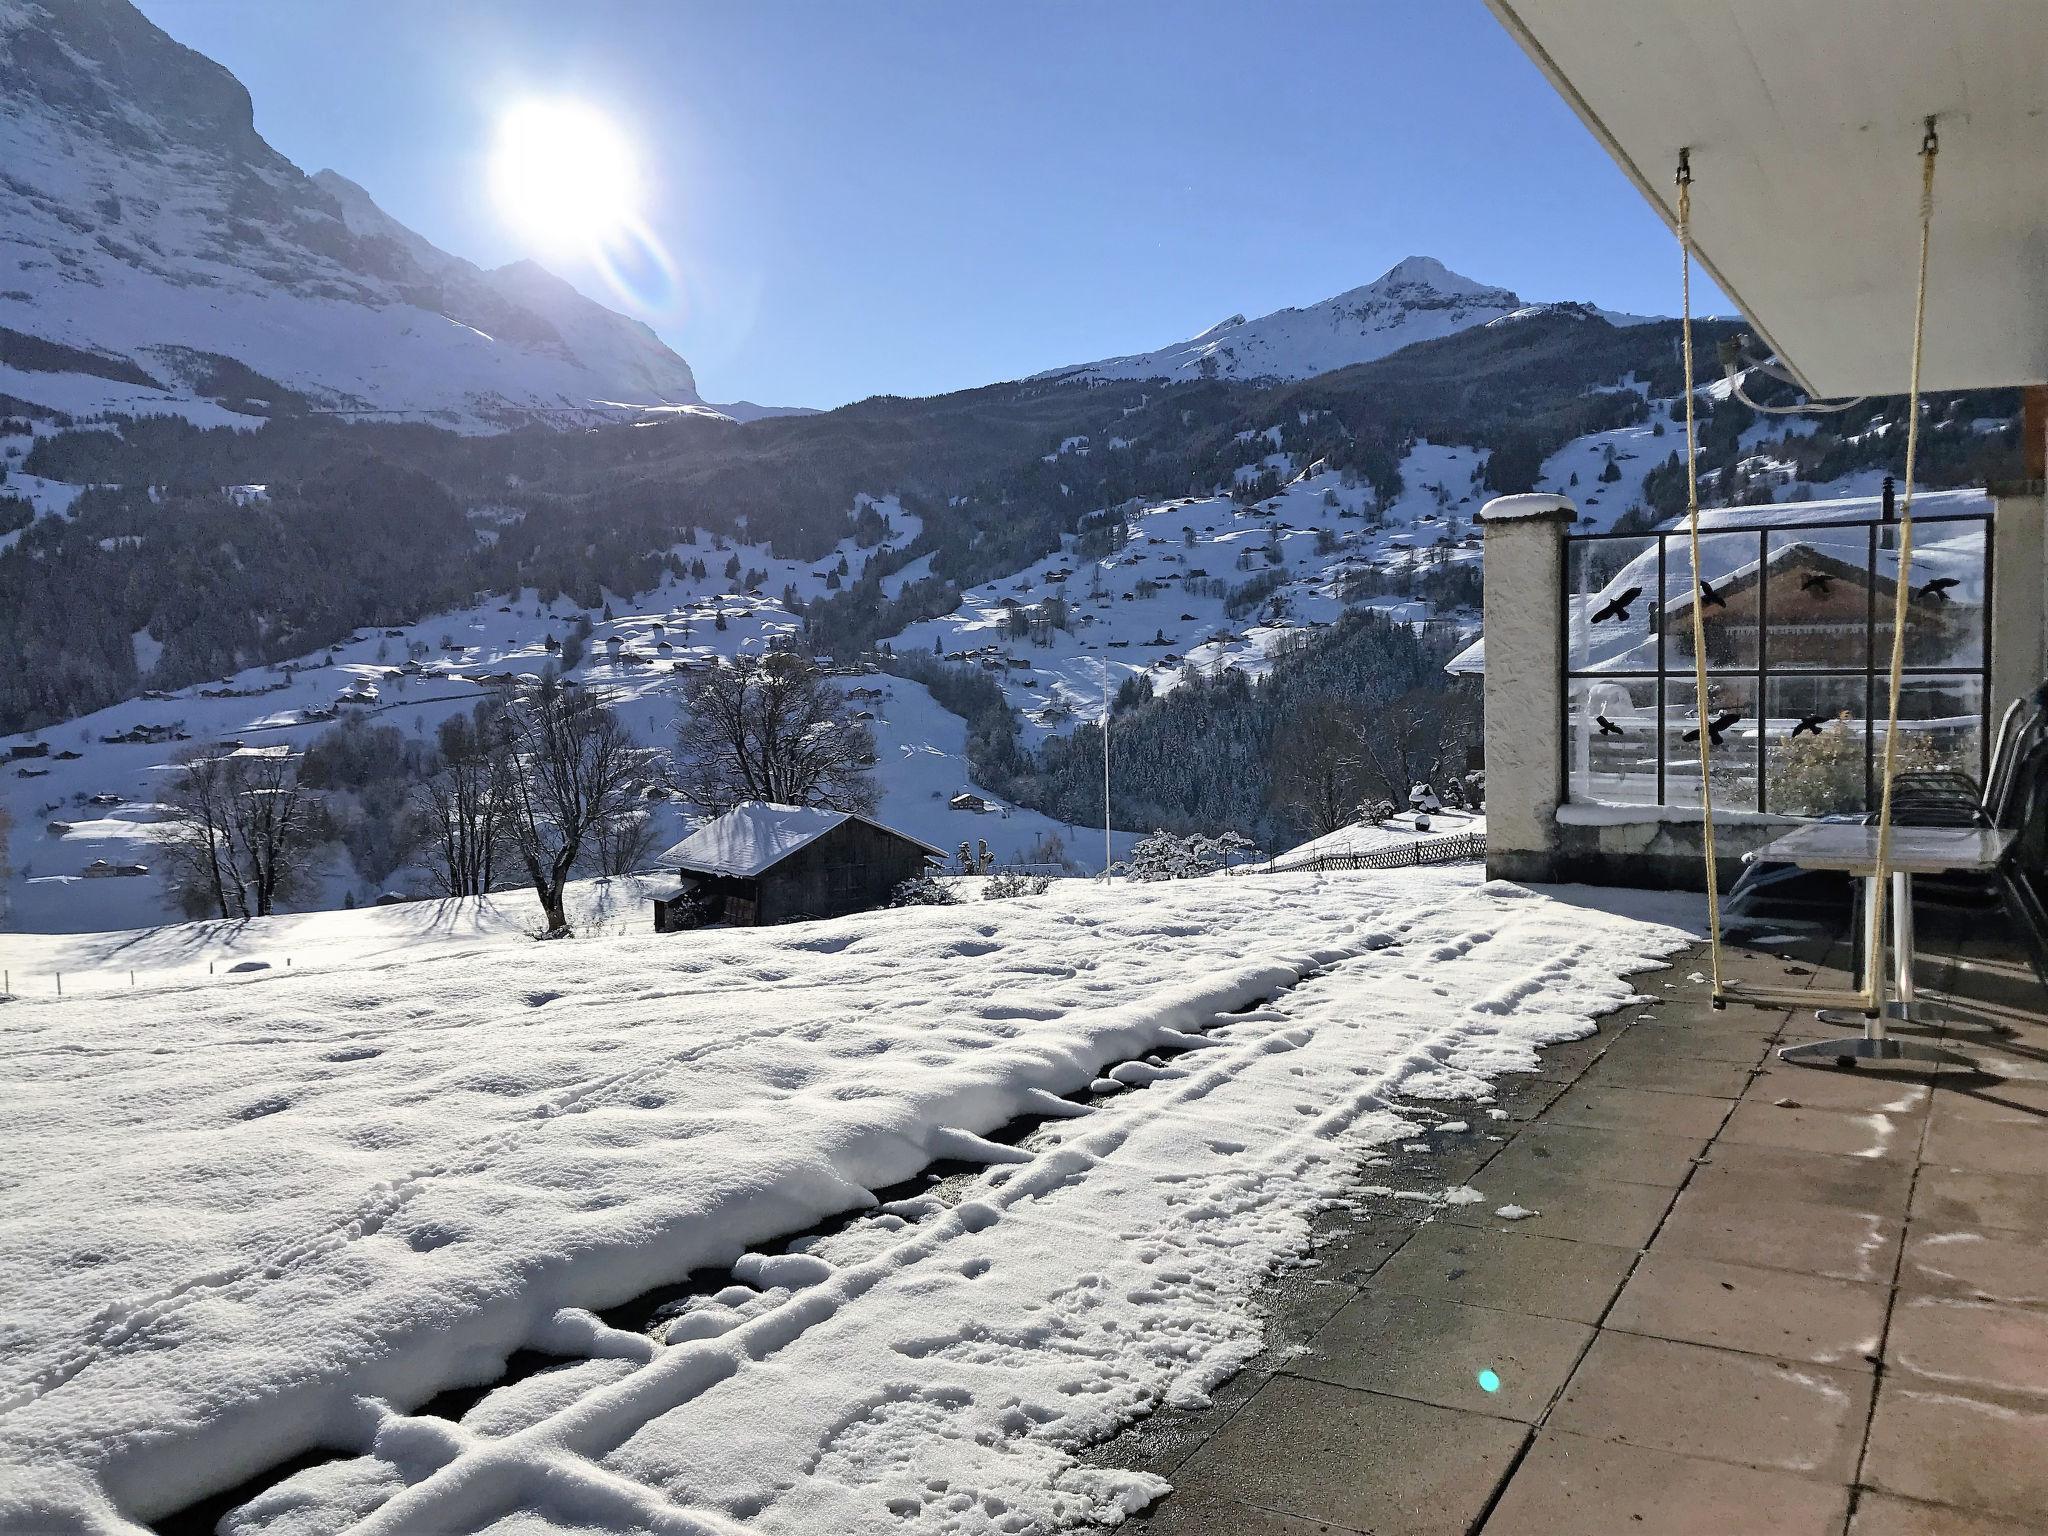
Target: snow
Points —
{"points": [[1118, 630], [1955, 549], [1587, 813], [286, 1208], [1508, 509], [751, 837], [1396, 830], [369, 936], [1418, 299], [203, 240]]}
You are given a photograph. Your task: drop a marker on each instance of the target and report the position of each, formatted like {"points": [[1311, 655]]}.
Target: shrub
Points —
{"points": [[1002, 887], [922, 891]]}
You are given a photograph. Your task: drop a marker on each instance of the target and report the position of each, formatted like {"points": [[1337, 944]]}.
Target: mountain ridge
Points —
{"points": [[143, 217], [1416, 299]]}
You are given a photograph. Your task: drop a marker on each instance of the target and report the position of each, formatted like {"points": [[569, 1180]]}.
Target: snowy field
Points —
{"points": [[284, 1210]]}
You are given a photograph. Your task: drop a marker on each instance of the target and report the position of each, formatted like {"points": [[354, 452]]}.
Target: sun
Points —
{"points": [[563, 174]]}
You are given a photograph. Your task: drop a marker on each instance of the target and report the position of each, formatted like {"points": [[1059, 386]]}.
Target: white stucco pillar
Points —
{"points": [[2019, 598], [1525, 643]]}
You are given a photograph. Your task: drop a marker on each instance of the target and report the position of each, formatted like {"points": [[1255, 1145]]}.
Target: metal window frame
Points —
{"points": [[1761, 675]]}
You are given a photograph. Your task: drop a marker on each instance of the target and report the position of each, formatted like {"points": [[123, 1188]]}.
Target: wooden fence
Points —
{"points": [[1457, 848]]}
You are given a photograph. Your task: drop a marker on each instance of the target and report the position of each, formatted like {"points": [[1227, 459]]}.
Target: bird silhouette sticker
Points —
{"points": [[1618, 607], [1819, 583], [1709, 598], [1715, 727], [1607, 726], [1809, 725], [1938, 588]]}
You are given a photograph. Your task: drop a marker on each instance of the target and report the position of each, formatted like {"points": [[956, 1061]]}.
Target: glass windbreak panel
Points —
{"points": [[1612, 745], [1816, 746], [1731, 565], [1817, 595], [1945, 627], [1612, 596], [1731, 742], [1941, 725]]}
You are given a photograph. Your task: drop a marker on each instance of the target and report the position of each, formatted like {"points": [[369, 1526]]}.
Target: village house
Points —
{"points": [[762, 863]]}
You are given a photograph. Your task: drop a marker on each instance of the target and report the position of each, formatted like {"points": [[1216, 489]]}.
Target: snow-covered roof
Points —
{"points": [[756, 835], [1956, 550]]}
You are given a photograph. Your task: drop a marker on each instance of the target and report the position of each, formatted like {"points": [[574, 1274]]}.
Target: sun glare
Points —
{"points": [[563, 174]]}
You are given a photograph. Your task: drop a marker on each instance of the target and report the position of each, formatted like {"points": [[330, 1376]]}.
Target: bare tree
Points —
{"points": [[625, 846], [771, 728], [571, 769], [1318, 773], [465, 803], [1418, 736], [243, 833]]}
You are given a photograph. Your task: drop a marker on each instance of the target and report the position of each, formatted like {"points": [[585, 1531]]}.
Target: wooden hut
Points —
{"points": [[762, 863]]}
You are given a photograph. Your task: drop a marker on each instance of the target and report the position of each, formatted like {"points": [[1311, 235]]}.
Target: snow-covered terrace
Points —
{"points": [[289, 1212]]}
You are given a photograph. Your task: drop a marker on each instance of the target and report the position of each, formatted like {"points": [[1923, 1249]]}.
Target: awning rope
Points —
{"points": [[1872, 995], [1930, 146], [1699, 622]]}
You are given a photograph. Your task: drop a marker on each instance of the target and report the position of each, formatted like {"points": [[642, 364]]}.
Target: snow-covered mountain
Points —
{"points": [[156, 254], [1417, 299]]}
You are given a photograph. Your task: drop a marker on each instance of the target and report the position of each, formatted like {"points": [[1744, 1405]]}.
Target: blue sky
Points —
{"points": [[907, 197]]}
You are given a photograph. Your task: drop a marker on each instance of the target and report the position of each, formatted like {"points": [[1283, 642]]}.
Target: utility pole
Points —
{"points": [[1104, 665]]}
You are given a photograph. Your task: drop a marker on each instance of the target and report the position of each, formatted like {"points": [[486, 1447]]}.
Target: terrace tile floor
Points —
{"points": [[1754, 1297]]}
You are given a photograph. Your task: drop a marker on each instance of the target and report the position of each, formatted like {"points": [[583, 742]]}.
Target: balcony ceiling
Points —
{"points": [[1804, 121]]}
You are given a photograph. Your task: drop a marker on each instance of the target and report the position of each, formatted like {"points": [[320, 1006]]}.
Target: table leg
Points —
{"points": [[1902, 939], [1875, 1044]]}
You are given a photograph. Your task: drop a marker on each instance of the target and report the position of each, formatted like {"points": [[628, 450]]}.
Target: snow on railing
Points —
{"points": [[1457, 848]]}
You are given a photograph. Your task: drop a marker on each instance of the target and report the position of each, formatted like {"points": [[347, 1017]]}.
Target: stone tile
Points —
{"points": [[1520, 1097], [1880, 1514], [1631, 1157], [1847, 1133], [1741, 1223], [1969, 1198], [1358, 1460], [1662, 1073], [2010, 1100], [1990, 1266], [1718, 1404], [1882, 1089], [1571, 1486], [1563, 1062], [1949, 1448], [1761, 1311], [1508, 1268], [1567, 1205], [1742, 1045], [1635, 1109], [1434, 1350], [1821, 1178], [1184, 1513], [1977, 1346], [1991, 1146]]}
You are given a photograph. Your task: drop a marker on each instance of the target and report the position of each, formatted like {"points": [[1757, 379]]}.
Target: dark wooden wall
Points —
{"points": [[852, 868]]}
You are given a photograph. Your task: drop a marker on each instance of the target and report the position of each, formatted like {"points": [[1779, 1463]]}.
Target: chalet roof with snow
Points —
{"points": [[1729, 559], [756, 835]]}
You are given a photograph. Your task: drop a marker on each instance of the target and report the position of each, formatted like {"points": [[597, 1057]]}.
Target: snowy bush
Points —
{"points": [[921, 891], [1167, 856], [1003, 886]]}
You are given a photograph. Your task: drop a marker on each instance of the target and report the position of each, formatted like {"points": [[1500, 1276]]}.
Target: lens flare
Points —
{"points": [[637, 269]]}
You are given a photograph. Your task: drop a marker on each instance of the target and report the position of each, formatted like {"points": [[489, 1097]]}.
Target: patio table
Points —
{"points": [[1852, 848]]}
